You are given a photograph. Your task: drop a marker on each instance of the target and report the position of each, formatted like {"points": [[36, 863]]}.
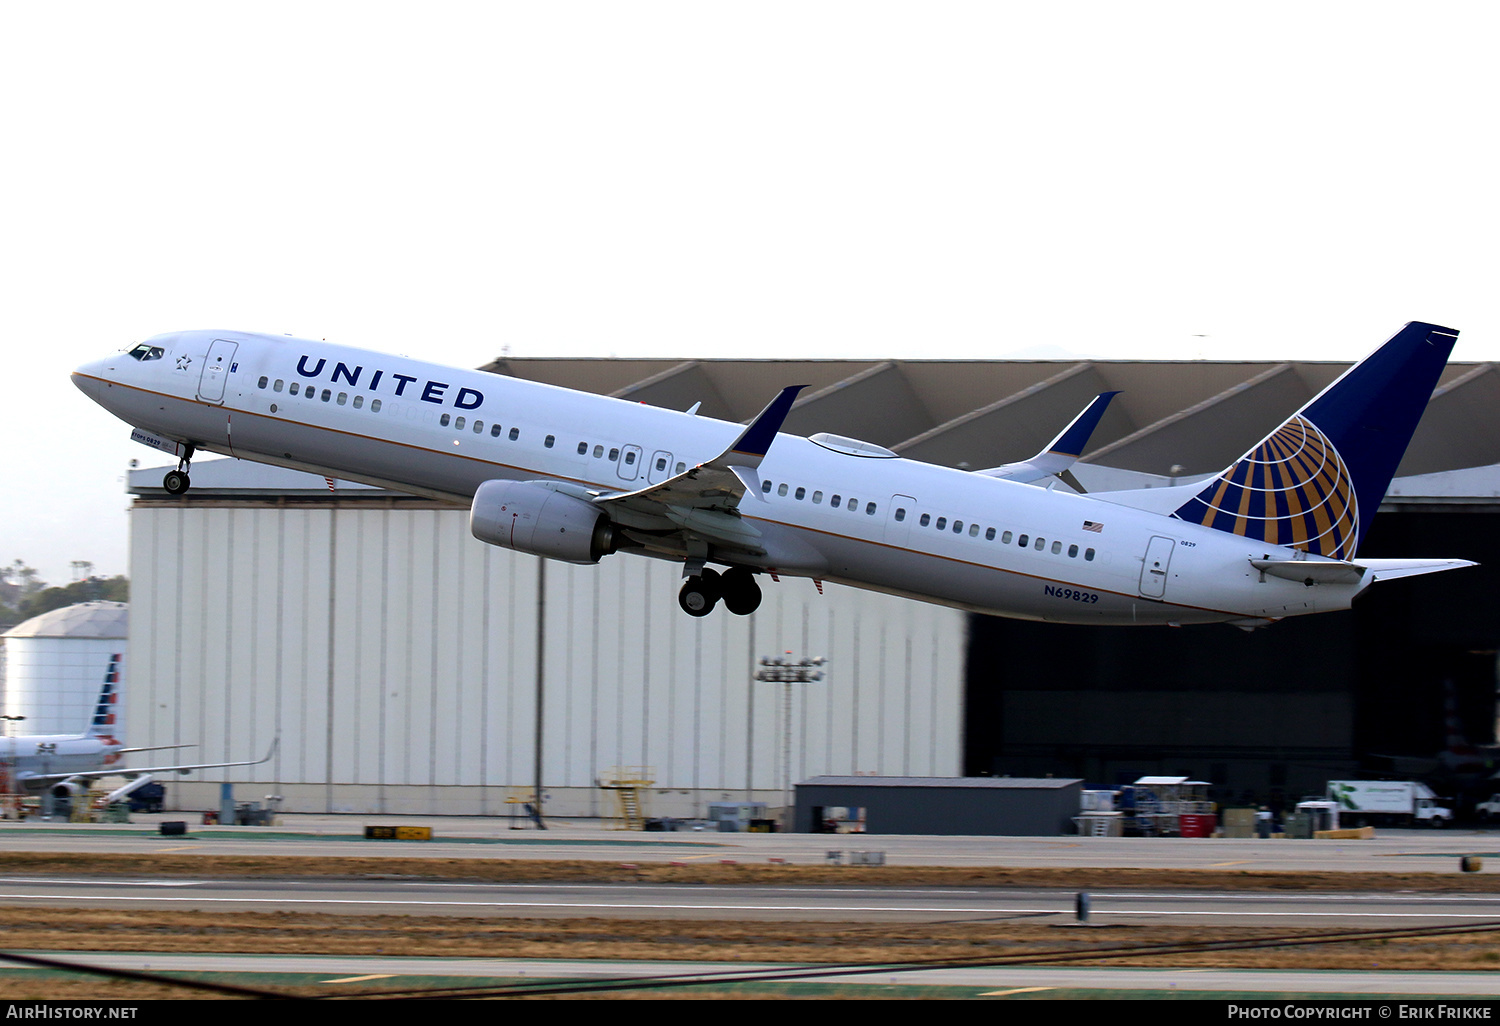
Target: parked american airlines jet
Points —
{"points": [[66, 763], [574, 476]]}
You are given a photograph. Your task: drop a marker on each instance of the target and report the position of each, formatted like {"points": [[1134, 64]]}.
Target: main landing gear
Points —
{"points": [[736, 586], [177, 481]]}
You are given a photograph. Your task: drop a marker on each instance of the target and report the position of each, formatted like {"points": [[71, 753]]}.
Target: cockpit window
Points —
{"points": [[146, 351]]}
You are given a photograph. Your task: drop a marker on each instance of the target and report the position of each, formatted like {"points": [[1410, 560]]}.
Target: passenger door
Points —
{"points": [[216, 370]]}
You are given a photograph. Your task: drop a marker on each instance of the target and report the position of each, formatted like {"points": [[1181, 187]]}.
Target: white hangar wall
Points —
{"points": [[395, 658]]}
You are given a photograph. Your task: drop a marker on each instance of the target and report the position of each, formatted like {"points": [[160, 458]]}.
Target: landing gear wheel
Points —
{"points": [[741, 593], [699, 594], [177, 481]]}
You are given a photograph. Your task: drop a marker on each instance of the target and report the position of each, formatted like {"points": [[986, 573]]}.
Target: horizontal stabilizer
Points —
{"points": [[1338, 571], [1390, 569], [1310, 572]]}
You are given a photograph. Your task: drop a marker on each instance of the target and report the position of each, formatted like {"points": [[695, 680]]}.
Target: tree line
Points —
{"points": [[23, 594]]}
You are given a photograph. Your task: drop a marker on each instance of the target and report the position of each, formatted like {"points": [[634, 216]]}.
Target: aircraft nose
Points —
{"points": [[92, 377]]}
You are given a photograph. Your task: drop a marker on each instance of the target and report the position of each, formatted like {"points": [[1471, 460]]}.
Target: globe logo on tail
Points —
{"points": [[1293, 489]]}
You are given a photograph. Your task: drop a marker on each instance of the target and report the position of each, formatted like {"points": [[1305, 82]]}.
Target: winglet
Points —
{"points": [[1076, 435], [755, 441], [1062, 452]]}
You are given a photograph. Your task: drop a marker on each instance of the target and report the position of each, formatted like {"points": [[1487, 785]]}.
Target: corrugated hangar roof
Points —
{"points": [[1172, 418]]}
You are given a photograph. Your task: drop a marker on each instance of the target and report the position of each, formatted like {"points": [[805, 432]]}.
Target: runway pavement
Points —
{"points": [[848, 903]]}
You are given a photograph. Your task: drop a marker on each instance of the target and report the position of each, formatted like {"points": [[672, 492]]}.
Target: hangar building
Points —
{"points": [[397, 658], [56, 663]]}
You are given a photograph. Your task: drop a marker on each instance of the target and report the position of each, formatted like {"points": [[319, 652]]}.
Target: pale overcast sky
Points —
{"points": [[863, 180]]}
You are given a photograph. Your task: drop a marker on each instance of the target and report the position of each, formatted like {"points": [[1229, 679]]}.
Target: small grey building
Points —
{"points": [[1008, 806]]}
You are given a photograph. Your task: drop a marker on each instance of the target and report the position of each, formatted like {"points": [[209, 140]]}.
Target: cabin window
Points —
{"points": [[549, 441], [1041, 543], [343, 398], [817, 498], [1005, 538], [681, 467], [598, 451], [515, 433], [479, 427], [926, 519], [900, 514], [1024, 540], [661, 464], [374, 405], [989, 534], [614, 454], [973, 530], [1072, 551], [359, 402], [781, 489], [495, 430], [327, 394], [765, 487], [293, 388], [443, 420], [277, 387], [958, 527], [942, 523], [458, 424], [630, 458], [310, 392], [1088, 555], [583, 448], [264, 381], [869, 509], [853, 504], [800, 494], [1056, 548], [834, 502]]}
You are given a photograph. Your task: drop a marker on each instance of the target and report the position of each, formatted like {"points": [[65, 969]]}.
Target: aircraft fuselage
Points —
{"points": [[871, 521]]}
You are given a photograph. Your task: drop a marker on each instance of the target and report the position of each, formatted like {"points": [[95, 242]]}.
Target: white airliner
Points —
{"points": [[574, 476], [65, 763]]}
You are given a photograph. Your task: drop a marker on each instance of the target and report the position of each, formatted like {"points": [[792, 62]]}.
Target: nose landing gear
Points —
{"points": [[176, 482]]}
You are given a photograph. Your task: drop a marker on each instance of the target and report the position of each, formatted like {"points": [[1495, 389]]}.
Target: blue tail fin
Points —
{"points": [[103, 723], [1314, 484]]}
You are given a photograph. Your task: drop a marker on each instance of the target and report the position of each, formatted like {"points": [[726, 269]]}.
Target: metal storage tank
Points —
{"points": [[55, 664]]}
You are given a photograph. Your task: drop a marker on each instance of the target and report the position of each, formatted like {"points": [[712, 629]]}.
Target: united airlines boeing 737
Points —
{"points": [[574, 476]]}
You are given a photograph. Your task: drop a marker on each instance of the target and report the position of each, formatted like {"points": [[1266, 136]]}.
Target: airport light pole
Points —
{"points": [[776, 670], [541, 691]]}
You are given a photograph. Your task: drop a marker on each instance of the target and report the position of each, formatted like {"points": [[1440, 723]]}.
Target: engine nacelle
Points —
{"points": [[530, 517]]}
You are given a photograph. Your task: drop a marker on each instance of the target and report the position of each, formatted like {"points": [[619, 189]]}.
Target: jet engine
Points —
{"points": [[531, 517], [70, 789]]}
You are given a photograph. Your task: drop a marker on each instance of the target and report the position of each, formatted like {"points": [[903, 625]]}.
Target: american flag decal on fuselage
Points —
{"points": [[1293, 489]]}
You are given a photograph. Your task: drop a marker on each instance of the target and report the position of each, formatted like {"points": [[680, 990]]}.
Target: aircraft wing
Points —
{"points": [[1061, 453], [705, 499], [135, 771]]}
